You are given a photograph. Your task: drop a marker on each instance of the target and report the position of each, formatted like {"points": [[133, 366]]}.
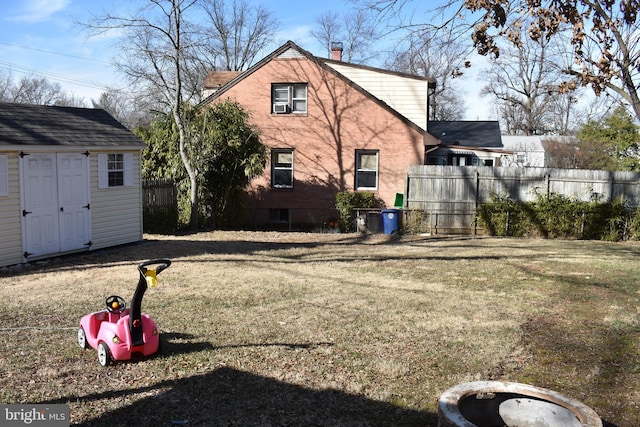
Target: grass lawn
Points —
{"points": [[328, 329]]}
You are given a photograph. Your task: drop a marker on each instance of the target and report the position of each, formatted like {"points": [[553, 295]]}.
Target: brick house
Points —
{"points": [[329, 126]]}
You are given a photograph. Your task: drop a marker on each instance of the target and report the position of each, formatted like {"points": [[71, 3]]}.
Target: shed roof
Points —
{"points": [[480, 134], [36, 125]]}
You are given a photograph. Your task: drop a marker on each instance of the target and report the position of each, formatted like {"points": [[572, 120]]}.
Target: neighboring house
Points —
{"points": [[69, 181], [216, 80], [466, 143], [528, 151], [329, 126]]}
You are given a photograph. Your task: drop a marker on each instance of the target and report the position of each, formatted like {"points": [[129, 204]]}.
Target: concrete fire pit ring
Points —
{"points": [[498, 404]]}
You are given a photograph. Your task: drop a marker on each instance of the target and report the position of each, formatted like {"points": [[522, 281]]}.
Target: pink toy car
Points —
{"points": [[119, 332]]}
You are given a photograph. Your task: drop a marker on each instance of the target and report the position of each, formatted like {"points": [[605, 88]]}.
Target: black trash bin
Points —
{"points": [[391, 220]]}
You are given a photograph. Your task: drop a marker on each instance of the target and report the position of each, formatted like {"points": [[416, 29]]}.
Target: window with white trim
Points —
{"points": [[282, 168], [289, 98], [367, 169], [115, 170]]}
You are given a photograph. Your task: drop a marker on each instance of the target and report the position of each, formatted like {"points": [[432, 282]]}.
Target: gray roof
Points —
{"points": [[33, 125], [481, 134]]}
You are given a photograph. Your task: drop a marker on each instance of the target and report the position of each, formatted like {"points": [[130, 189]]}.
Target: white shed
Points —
{"points": [[69, 181], [528, 151]]}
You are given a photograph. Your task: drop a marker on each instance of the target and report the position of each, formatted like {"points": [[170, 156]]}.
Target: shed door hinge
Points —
{"points": [[25, 213]]}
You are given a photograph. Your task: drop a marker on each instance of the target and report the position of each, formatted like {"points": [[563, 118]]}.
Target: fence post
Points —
{"points": [[547, 178]]}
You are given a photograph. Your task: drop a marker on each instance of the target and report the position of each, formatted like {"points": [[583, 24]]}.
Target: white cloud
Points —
{"points": [[37, 10]]}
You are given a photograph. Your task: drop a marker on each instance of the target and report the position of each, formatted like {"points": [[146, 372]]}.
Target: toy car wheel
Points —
{"points": [[104, 356], [82, 338]]}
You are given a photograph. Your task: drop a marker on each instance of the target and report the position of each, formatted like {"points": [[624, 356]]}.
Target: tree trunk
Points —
{"points": [[177, 115]]}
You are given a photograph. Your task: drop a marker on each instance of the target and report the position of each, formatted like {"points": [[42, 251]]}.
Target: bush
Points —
{"points": [[347, 202], [557, 216], [505, 217]]}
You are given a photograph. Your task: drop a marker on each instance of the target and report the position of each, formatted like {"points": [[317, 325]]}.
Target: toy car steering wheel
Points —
{"points": [[115, 304]]}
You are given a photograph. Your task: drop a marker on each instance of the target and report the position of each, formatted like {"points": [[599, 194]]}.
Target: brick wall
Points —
{"points": [[339, 121]]}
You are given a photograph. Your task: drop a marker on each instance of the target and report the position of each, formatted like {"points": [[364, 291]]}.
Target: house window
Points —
{"points": [[289, 98], [282, 168], [459, 161], [437, 160], [279, 215], [366, 170]]}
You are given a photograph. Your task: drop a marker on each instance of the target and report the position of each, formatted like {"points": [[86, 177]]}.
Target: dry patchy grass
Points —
{"points": [[328, 329]]}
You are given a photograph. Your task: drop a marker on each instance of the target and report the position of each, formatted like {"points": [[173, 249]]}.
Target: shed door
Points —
{"points": [[73, 199], [56, 216]]}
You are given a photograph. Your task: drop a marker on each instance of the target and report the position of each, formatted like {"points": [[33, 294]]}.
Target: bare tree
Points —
{"points": [[441, 58], [605, 41], [237, 34], [525, 83], [36, 90], [128, 107], [6, 84], [159, 47], [355, 29]]}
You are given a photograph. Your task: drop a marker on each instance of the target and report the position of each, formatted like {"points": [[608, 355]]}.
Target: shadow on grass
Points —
{"points": [[189, 250], [233, 397], [226, 397], [173, 343]]}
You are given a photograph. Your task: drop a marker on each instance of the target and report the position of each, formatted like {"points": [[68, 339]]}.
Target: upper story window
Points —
{"points": [[289, 98], [366, 170], [282, 168]]}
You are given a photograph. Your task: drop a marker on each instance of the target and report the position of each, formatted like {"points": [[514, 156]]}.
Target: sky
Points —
{"points": [[44, 38]]}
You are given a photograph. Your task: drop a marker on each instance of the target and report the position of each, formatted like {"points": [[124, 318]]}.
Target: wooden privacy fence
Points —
{"points": [[160, 206], [445, 198]]}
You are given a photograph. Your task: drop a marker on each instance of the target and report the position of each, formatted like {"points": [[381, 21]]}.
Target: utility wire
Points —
{"points": [[51, 75], [54, 76], [55, 53]]}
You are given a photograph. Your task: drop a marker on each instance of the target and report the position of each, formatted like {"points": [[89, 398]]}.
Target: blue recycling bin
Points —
{"points": [[390, 220]]}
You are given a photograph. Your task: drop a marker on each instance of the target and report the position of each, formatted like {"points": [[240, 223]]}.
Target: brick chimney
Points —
{"points": [[336, 51]]}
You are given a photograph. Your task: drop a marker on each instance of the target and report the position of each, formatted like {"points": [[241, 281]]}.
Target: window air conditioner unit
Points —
{"points": [[280, 108]]}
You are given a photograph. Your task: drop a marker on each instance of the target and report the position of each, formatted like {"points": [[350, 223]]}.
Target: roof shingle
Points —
{"points": [[32, 125], [485, 134]]}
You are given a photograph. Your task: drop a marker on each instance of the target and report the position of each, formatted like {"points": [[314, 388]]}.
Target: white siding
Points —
{"points": [[528, 151], [116, 213], [10, 229], [406, 95], [290, 53]]}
